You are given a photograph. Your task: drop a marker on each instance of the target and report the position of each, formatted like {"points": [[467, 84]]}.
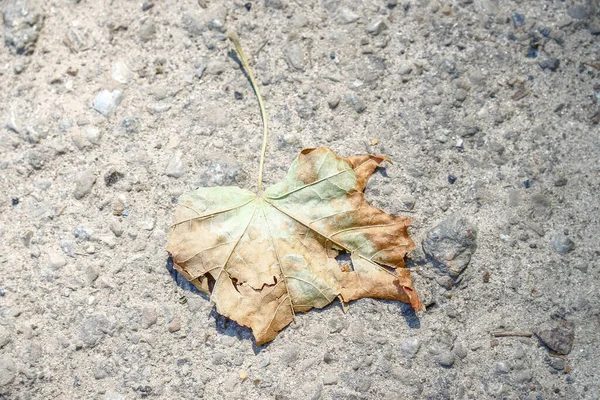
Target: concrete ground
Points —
{"points": [[110, 110]]}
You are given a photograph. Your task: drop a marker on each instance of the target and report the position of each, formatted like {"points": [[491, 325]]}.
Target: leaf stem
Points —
{"points": [[263, 113]]}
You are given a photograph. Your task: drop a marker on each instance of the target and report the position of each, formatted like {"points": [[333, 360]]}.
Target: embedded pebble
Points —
{"points": [[8, 370], [556, 363], [147, 5], [355, 102], [84, 183], [94, 328], [175, 325], [334, 100], [405, 68], [147, 222], [446, 359], [116, 227], [149, 317], [460, 95], [550, 64], [175, 168], [147, 31], [560, 181], [22, 26], [561, 243], [295, 56], [502, 368], [451, 243], [287, 139], [376, 26], [578, 11], [347, 16], [56, 260], [91, 274], [106, 102], [410, 347], [290, 355], [83, 232], [92, 135], [460, 350], [224, 172], [99, 371], [35, 158], [112, 176], [121, 72], [130, 125], [523, 376], [557, 335], [330, 378]]}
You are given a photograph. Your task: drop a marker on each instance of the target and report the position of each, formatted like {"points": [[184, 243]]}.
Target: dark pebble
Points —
{"points": [[451, 179], [248, 6], [552, 64], [561, 181], [15, 201], [147, 5], [112, 177], [578, 12], [556, 363], [545, 32], [356, 103], [527, 184], [517, 20], [238, 95], [450, 244], [561, 243], [558, 335], [532, 52]]}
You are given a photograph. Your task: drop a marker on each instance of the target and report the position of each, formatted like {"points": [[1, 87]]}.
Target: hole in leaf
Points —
{"points": [[235, 284], [344, 260], [211, 282]]}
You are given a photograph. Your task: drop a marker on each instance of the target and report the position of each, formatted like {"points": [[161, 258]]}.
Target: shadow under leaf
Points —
{"points": [[223, 324], [231, 328]]}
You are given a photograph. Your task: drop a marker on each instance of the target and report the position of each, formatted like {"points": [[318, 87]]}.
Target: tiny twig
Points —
{"points": [[558, 356], [511, 333], [593, 65], [262, 46], [263, 113]]}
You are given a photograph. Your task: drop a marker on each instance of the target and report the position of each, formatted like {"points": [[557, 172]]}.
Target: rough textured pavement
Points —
{"points": [[110, 110]]}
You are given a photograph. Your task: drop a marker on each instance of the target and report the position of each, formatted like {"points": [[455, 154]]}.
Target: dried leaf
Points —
{"points": [[263, 258]]}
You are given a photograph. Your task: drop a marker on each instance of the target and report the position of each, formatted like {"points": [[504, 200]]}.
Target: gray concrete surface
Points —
{"points": [[112, 109]]}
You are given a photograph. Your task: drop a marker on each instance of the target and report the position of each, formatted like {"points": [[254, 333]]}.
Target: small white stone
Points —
{"points": [[346, 16], [13, 123], [147, 222], [375, 27], [106, 102], [56, 260], [120, 72], [92, 135], [175, 167]]}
